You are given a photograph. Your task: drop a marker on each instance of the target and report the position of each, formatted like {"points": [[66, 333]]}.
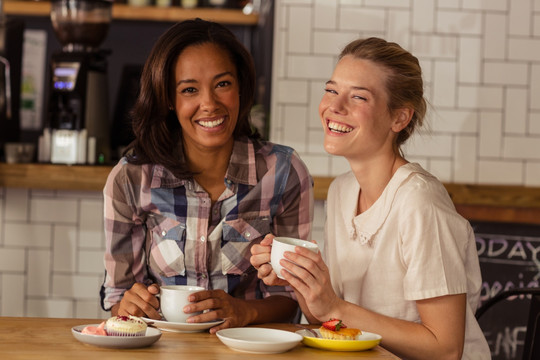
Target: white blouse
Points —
{"points": [[411, 244]]}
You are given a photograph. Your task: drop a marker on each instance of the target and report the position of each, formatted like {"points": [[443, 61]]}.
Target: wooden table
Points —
{"points": [[50, 338]]}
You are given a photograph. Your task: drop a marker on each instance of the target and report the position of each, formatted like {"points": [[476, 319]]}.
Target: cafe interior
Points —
{"points": [[59, 141]]}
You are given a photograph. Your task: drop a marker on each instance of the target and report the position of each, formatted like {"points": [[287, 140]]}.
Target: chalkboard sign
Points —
{"points": [[509, 258]]}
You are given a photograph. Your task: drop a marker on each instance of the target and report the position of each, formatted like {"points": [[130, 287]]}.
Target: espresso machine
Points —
{"points": [[78, 124], [11, 45]]}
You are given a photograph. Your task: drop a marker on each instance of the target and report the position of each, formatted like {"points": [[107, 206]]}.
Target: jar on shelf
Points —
{"points": [[189, 4], [139, 2], [163, 3], [215, 3]]}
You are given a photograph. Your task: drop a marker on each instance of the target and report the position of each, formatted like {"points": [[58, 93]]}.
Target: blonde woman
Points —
{"points": [[399, 260]]}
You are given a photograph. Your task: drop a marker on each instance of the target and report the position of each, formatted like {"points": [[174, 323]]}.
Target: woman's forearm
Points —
{"points": [[305, 310], [275, 308]]}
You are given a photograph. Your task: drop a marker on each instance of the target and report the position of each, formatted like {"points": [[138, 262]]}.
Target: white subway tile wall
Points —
{"points": [[481, 63], [51, 253]]}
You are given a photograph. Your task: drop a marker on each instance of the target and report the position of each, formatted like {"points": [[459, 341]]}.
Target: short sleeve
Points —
{"points": [[433, 240]]}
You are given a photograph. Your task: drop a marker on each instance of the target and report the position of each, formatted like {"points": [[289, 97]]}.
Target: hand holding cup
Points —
{"points": [[173, 298], [282, 244]]}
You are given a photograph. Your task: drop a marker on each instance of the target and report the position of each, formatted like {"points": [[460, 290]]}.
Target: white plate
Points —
{"points": [[259, 340], [117, 342], [181, 327], [362, 342]]}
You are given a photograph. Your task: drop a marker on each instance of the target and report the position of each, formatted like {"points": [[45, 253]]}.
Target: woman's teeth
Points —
{"points": [[340, 128], [211, 124]]}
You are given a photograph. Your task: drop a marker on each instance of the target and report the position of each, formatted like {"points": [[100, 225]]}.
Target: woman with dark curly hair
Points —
{"points": [[198, 187]]}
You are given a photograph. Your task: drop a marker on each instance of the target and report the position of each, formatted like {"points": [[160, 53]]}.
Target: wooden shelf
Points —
{"points": [[145, 13], [498, 203], [55, 177], [475, 202], [465, 194]]}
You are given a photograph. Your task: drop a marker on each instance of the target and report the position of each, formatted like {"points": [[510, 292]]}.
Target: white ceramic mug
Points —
{"points": [[173, 298], [282, 244]]}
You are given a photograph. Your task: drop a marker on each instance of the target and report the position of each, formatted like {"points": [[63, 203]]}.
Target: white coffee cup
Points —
{"points": [[173, 298], [282, 244]]}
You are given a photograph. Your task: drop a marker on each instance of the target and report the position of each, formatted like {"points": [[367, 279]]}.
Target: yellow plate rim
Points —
{"points": [[371, 341]]}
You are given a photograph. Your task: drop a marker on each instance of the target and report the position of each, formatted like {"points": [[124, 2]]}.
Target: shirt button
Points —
{"points": [[247, 234], [163, 233], [203, 276], [203, 238]]}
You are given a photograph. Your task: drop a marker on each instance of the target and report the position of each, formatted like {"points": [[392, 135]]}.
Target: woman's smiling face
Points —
{"points": [[354, 112], [207, 96]]}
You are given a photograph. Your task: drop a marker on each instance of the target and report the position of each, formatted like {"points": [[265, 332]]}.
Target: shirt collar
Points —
{"points": [[367, 224], [241, 170]]}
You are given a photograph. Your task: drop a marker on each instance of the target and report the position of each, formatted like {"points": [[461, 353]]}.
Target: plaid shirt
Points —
{"points": [[166, 230]]}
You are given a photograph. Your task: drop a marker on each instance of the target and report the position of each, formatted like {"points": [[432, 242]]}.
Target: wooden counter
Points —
{"points": [[50, 338], [147, 13]]}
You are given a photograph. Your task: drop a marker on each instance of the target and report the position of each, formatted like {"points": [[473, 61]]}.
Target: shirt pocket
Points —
{"points": [[167, 242], [238, 237]]}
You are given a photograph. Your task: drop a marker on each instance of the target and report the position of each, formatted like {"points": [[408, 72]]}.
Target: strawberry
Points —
{"points": [[334, 324]]}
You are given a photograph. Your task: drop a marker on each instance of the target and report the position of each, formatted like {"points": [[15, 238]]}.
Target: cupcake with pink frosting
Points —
{"points": [[125, 326]]}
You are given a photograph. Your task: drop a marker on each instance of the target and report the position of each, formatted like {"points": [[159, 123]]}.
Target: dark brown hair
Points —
{"points": [[158, 135], [404, 84]]}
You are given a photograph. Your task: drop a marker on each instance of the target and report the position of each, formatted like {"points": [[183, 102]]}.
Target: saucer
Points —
{"points": [[259, 340], [181, 327], [116, 342]]}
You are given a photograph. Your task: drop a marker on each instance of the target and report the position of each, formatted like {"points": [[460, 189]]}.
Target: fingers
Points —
{"points": [[308, 253], [217, 304], [264, 271], [307, 259], [224, 325], [147, 294], [263, 247], [203, 295], [308, 275], [261, 252], [268, 239], [153, 289], [206, 301], [259, 259], [267, 274], [140, 301]]}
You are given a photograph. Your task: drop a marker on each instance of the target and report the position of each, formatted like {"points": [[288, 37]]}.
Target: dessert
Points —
{"points": [[95, 330], [335, 329], [125, 326]]}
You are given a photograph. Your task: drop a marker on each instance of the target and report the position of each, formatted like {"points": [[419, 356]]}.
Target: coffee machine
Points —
{"points": [[11, 45], [78, 124]]}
